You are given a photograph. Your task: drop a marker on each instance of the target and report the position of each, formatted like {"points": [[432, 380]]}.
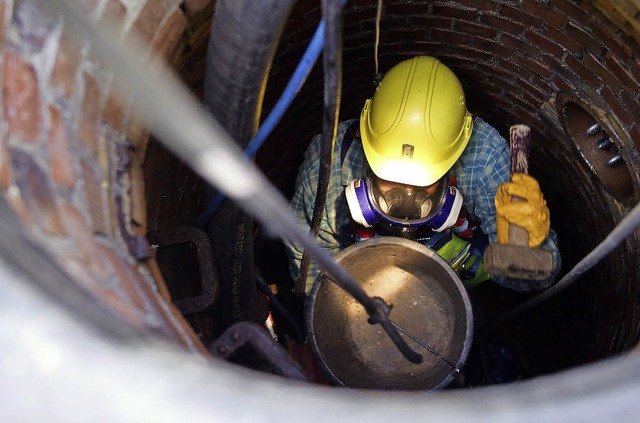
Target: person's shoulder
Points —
{"points": [[341, 130], [485, 138], [483, 131], [486, 147], [349, 125]]}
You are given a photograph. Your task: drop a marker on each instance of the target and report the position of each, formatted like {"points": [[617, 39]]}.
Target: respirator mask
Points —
{"points": [[373, 199]]}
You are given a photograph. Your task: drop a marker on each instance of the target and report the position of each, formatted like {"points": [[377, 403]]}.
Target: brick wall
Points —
{"points": [[71, 156]]}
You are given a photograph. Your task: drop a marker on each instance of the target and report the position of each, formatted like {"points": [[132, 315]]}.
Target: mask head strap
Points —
{"points": [[359, 206]]}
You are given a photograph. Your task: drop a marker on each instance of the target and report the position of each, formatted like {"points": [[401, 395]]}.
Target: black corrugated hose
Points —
{"points": [[332, 70], [243, 40]]}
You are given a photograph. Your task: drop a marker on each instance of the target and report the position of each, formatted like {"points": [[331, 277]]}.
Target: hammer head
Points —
{"points": [[518, 262]]}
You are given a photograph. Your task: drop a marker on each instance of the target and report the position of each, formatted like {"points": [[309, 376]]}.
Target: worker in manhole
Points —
{"points": [[418, 165]]}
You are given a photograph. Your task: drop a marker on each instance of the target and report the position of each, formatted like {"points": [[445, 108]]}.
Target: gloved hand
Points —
{"points": [[532, 214]]}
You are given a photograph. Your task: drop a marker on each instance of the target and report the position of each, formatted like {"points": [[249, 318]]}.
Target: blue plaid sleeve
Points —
{"points": [[303, 203]]}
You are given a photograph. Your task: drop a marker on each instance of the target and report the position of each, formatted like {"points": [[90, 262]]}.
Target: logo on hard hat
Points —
{"points": [[407, 150]]}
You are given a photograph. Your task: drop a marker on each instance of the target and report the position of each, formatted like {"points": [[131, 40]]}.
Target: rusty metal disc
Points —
{"points": [[429, 302]]}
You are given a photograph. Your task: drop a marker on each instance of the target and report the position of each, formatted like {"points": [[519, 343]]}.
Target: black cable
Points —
{"points": [[377, 309], [332, 70], [280, 308]]}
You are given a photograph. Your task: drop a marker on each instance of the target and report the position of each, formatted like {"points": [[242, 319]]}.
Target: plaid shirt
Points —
{"points": [[481, 168]]}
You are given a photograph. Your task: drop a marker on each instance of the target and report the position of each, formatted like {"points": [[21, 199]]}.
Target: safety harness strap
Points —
{"points": [[347, 140]]}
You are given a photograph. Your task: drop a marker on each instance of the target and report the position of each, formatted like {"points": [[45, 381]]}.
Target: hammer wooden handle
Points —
{"points": [[517, 260], [520, 136]]}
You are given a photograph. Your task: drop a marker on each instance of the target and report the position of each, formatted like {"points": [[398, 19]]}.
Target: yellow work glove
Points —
{"points": [[532, 214]]}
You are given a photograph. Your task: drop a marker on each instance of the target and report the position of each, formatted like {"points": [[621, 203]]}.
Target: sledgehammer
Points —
{"points": [[517, 259]]}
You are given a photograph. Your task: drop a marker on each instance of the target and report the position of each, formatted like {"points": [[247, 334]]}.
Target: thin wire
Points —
{"points": [[427, 347], [377, 43]]}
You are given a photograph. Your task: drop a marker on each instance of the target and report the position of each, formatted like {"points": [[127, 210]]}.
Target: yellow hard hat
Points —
{"points": [[416, 125]]}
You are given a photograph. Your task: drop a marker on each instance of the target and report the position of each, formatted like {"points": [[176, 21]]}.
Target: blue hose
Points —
{"points": [[295, 83]]}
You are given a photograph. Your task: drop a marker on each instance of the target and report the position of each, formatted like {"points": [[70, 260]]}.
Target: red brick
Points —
{"points": [[36, 190], [124, 273], [466, 54], [583, 72], [21, 97], [151, 16], [31, 26], [616, 41], [62, 164], [620, 110], [561, 38], [476, 29], [66, 65], [574, 12], [635, 68], [564, 84], [533, 89], [531, 100], [635, 136], [19, 206], [584, 37], [546, 45], [554, 63], [193, 7], [86, 6], [492, 46], [620, 70], [176, 59], [411, 9], [90, 114], [2, 7], [510, 67], [114, 112], [154, 270], [454, 11], [518, 15], [521, 45], [524, 114], [450, 37], [602, 71], [78, 272], [631, 99], [97, 203], [543, 10], [133, 316], [430, 22], [544, 86], [5, 161], [138, 198], [138, 136], [533, 66], [115, 13], [363, 18], [173, 322], [86, 246], [479, 4], [508, 26], [407, 35]]}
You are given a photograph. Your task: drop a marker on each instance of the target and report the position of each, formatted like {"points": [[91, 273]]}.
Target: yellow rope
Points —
{"points": [[378, 16]]}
